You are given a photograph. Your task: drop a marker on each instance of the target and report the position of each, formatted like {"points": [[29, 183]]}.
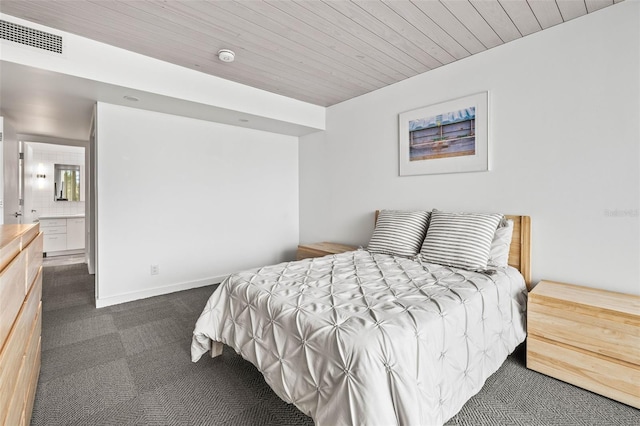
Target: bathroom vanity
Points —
{"points": [[63, 234]]}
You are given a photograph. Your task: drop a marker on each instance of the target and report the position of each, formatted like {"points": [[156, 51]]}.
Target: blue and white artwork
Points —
{"points": [[450, 134]]}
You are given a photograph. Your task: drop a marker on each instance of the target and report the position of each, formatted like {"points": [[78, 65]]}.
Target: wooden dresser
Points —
{"points": [[321, 249], [587, 337], [20, 320]]}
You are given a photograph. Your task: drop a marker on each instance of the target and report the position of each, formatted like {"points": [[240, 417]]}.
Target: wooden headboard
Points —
{"points": [[520, 250]]}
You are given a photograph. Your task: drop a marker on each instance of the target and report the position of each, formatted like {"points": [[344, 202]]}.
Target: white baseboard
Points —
{"points": [[157, 291]]}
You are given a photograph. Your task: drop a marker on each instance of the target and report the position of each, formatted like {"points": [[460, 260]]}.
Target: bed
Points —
{"points": [[366, 337]]}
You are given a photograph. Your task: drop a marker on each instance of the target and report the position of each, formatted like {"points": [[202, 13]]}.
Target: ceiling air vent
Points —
{"points": [[30, 37]]}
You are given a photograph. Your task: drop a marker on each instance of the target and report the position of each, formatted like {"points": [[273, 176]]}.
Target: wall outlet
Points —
{"points": [[155, 269]]}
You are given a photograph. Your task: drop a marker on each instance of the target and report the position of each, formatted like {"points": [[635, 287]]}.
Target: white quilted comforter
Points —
{"points": [[368, 339]]}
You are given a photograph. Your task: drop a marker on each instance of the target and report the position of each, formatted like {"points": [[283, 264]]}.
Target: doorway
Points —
{"points": [[53, 183]]}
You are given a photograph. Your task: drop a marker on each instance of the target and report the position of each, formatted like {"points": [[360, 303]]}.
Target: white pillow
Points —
{"points": [[499, 253], [399, 233], [461, 240]]}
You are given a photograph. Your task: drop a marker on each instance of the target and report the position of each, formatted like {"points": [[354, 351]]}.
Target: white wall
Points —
{"points": [[199, 199], [564, 149]]}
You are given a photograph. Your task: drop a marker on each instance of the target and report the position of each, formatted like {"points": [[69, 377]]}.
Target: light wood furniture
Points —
{"points": [[520, 249], [587, 337], [20, 320], [322, 249]]}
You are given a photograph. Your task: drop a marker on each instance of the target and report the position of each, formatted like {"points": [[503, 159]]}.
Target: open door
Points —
{"points": [[29, 183], [12, 163]]}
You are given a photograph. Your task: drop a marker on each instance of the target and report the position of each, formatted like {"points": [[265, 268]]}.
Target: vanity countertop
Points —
{"points": [[62, 216]]}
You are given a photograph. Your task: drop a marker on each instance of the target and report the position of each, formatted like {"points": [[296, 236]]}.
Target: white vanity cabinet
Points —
{"points": [[62, 234], [55, 234], [75, 233]]}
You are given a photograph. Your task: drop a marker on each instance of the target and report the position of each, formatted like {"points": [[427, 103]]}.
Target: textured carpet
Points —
{"points": [[130, 365]]}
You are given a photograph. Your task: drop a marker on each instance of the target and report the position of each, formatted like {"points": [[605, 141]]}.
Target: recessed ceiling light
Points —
{"points": [[226, 55], [131, 98]]}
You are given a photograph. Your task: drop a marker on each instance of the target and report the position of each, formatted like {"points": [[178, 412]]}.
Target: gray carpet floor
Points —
{"points": [[130, 365]]}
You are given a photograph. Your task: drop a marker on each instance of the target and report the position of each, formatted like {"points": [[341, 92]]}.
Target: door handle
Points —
{"points": [[16, 214]]}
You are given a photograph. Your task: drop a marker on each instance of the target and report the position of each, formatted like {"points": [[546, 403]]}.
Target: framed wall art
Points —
{"points": [[448, 137]]}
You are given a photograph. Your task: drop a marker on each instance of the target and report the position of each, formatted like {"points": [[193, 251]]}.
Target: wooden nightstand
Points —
{"points": [[587, 337], [321, 249]]}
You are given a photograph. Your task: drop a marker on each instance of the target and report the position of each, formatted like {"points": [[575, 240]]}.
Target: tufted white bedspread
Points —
{"points": [[368, 339]]}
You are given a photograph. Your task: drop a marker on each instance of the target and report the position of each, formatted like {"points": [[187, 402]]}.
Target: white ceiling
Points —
{"points": [[48, 104], [321, 52], [39, 102]]}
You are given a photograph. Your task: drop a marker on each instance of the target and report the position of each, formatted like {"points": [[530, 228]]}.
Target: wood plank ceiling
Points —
{"points": [[322, 52]]}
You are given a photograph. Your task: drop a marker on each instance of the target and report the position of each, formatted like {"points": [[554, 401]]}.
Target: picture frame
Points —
{"points": [[447, 137]]}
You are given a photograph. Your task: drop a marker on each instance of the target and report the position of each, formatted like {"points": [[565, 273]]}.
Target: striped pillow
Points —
{"points": [[399, 233], [461, 240]]}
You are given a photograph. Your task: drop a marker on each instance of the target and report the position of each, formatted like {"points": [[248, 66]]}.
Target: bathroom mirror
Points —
{"points": [[66, 185]]}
